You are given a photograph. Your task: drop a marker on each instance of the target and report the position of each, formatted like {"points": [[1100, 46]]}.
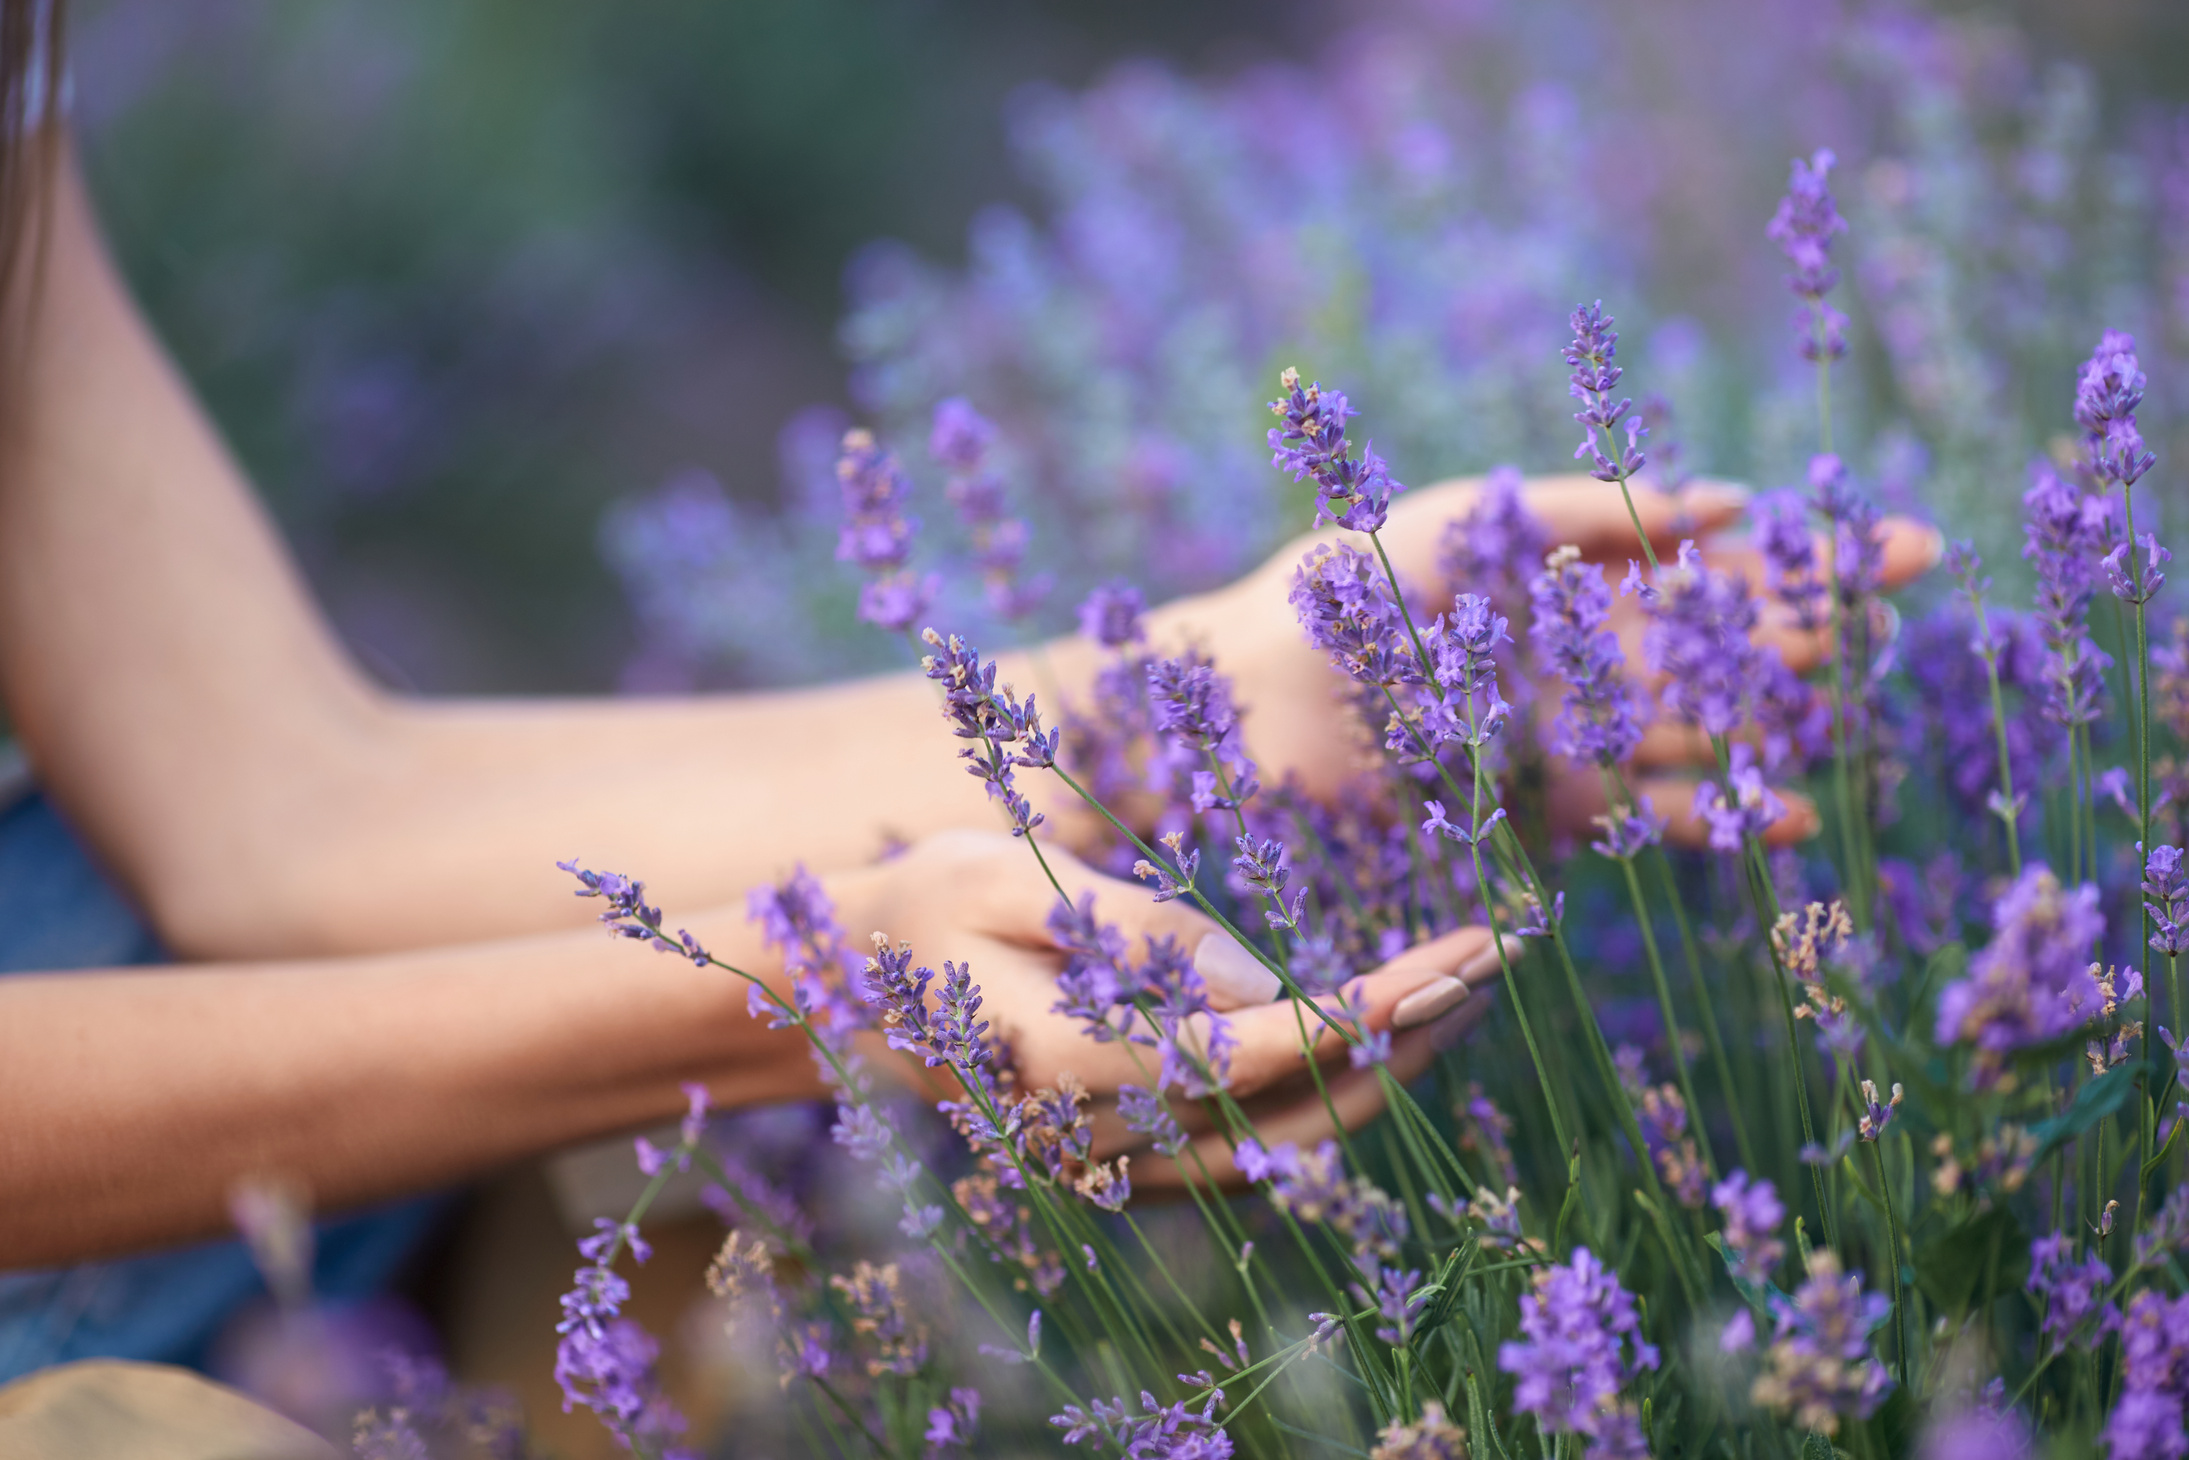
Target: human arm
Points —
{"points": [[135, 1099]]}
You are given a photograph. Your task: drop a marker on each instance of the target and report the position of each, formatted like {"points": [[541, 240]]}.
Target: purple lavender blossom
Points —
{"points": [[1595, 345], [1432, 1437], [1789, 551], [1698, 638], [1157, 1432], [960, 440], [628, 914], [2108, 389], [1629, 831], [1804, 225], [2032, 982], [1192, 706], [1007, 731], [2068, 1289], [1354, 492], [606, 1362], [1600, 719], [1144, 1114], [1753, 1215], [2063, 530], [877, 534], [1819, 1369], [1581, 1345], [1346, 606], [952, 1425], [1988, 1429], [2147, 1422], [1111, 615], [1496, 546], [2166, 899], [1742, 808], [2128, 584]]}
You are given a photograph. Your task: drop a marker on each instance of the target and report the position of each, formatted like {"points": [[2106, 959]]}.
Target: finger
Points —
{"points": [[1572, 507], [1674, 799], [1017, 902], [1410, 990]]}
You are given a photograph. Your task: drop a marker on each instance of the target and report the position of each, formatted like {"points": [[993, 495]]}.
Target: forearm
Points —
{"points": [[133, 1100]]}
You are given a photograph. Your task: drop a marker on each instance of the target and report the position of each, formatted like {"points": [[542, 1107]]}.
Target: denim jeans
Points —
{"points": [[58, 911]]}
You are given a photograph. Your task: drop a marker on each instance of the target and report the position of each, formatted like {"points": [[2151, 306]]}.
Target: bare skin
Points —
{"points": [[391, 987]]}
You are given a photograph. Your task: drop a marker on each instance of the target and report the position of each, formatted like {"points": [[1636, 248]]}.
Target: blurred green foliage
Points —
{"points": [[451, 277]]}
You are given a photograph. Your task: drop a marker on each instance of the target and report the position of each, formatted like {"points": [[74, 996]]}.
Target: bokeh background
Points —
{"points": [[457, 280]]}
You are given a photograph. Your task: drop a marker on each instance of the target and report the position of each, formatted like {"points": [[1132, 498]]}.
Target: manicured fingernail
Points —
{"points": [[1486, 965], [1934, 548], [1228, 969], [1427, 1002]]}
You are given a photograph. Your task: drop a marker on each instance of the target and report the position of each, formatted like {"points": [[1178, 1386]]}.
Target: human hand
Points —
{"points": [[1305, 726], [982, 898]]}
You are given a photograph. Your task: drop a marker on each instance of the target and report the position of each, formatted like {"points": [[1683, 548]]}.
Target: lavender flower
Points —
{"points": [[2029, 984], [2129, 586], [1742, 808], [2068, 1289], [1008, 732], [1698, 639], [1806, 220], [1354, 492], [961, 439], [1600, 719], [1157, 1432], [1111, 615], [2166, 899], [1581, 1345], [1347, 608], [2062, 531], [1789, 551], [1985, 1430], [2147, 1422], [1753, 1215], [1192, 705], [1876, 1114], [628, 915], [1819, 1370], [2108, 389], [1494, 548], [606, 1362], [1432, 1437], [877, 534], [1591, 352], [952, 1425], [875, 1296]]}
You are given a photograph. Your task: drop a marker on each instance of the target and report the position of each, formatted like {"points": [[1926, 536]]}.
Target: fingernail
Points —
{"points": [[1486, 964], [1227, 968], [1934, 548], [1427, 1002]]}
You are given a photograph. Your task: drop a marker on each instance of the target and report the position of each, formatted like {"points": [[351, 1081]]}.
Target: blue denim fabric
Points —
{"points": [[57, 911]]}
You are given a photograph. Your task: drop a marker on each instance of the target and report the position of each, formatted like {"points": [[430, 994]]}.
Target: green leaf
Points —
{"points": [[1816, 1447], [1968, 1265], [2097, 1100]]}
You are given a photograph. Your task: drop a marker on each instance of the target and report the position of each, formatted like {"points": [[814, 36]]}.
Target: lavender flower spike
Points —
{"points": [[2166, 898], [1590, 354], [1600, 720], [1582, 1345], [877, 534], [2107, 391], [1804, 225], [1353, 492]]}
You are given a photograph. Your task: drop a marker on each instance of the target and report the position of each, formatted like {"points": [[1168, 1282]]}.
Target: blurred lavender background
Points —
{"points": [[498, 301]]}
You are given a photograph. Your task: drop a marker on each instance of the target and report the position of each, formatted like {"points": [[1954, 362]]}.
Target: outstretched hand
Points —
{"points": [[982, 898], [1300, 723]]}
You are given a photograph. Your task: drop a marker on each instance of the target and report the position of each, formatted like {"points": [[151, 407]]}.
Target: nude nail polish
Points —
{"points": [[1427, 1002], [1228, 969]]}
